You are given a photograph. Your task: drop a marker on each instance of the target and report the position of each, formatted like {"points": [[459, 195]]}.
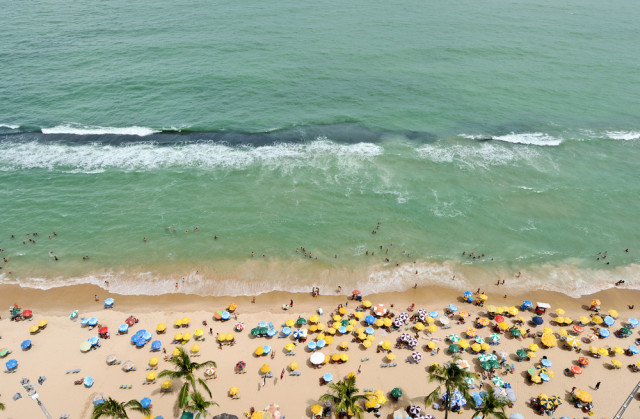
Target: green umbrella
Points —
{"points": [[515, 332], [396, 393], [301, 321], [479, 339], [453, 348], [345, 323], [469, 380], [263, 330], [85, 346], [521, 353], [532, 371], [484, 357], [625, 331], [454, 338], [486, 365], [495, 365], [255, 331], [4, 352]]}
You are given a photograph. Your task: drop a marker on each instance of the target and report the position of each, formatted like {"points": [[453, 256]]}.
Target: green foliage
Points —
{"points": [[118, 410], [344, 396], [449, 377]]}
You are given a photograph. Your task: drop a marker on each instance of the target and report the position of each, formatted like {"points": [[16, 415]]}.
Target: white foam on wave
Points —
{"points": [[78, 129], [530, 138], [623, 135], [92, 158], [10, 126], [484, 155]]}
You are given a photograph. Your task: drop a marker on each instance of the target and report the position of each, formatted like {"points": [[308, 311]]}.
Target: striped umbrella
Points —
{"points": [[416, 356]]}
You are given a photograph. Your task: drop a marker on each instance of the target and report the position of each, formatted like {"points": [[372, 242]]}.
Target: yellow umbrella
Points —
{"points": [[568, 320], [42, 324], [593, 349], [314, 319], [34, 329], [491, 309], [336, 318], [290, 346], [485, 346], [551, 374], [562, 332], [531, 354], [613, 313], [327, 358], [536, 379], [199, 333], [233, 391], [186, 337], [349, 328], [154, 361], [382, 400], [603, 351], [316, 409], [167, 384], [176, 352], [464, 344], [221, 338], [344, 344], [289, 323], [195, 348], [584, 320], [320, 336], [230, 337], [475, 347], [547, 330], [321, 326], [185, 321], [583, 396], [178, 322], [483, 297], [293, 366], [362, 336], [597, 319], [151, 376], [429, 319], [259, 350], [387, 322], [391, 356], [560, 311], [618, 350], [366, 303], [344, 357], [358, 315], [353, 322], [431, 344], [559, 320], [379, 322], [503, 325], [331, 331], [419, 326], [512, 310], [342, 311], [328, 340], [366, 343], [595, 302], [533, 347], [371, 338], [336, 325], [549, 340], [177, 336], [232, 307], [161, 327], [573, 341], [265, 368], [335, 357], [432, 328], [371, 403]]}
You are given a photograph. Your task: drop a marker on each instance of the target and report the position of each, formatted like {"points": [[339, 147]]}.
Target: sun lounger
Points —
{"points": [[393, 364], [383, 365]]}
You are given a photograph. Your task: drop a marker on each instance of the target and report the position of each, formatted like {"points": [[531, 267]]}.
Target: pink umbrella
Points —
{"points": [[239, 326]]}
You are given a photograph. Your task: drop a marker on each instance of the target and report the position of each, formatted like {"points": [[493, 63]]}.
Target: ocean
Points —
{"points": [[397, 144]]}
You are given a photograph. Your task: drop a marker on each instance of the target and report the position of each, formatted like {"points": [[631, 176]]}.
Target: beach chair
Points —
{"points": [[393, 364], [383, 365]]}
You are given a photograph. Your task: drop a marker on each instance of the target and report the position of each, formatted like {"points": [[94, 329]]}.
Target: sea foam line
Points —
{"points": [[79, 129]]}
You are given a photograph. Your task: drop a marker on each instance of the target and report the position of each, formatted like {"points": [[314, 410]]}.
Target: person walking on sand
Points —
{"points": [[597, 385]]}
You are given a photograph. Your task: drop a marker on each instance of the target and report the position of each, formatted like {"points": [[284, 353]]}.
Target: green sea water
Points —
{"points": [[507, 129]]}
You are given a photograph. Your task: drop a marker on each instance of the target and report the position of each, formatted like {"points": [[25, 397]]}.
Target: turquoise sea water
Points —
{"points": [[503, 128]]}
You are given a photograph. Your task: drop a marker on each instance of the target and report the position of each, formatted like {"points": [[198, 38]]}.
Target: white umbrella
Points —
{"points": [[209, 371], [401, 414], [443, 320], [317, 358]]}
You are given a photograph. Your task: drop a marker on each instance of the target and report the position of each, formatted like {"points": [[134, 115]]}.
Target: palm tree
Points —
{"points": [[184, 368], [118, 410], [452, 378], [1, 406], [199, 405], [344, 396], [492, 406]]}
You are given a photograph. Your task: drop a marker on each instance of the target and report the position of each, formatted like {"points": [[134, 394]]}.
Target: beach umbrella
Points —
{"points": [[156, 345], [108, 302], [398, 322], [419, 326], [317, 358], [609, 321], [544, 377], [312, 346], [578, 329], [432, 328], [515, 332], [616, 363], [153, 361], [471, 332], [469, 380], [454, 349], [583, 396], [625, 331], [597, 319], [498, 381], [545, 363], [463, 364], [633, 322], [453, 307], [367, 303], [316, 409], [85, 346], [403, 337], [225, 315], [88, 381], [297, 333], [560, 311], [633, 349], [259, 350], [396, 393], [196, 349], [11, 364], [328, 377], [575, 369], [444, 321], [152, 376], [369, 331], [604, 333], [468, 294], [521, 353], [271, 332], [369, 319], [499, 319], [240, 366], [166, 385], [93, 340], [416, 356], [433, 314], [415, 410], [301, 321], [198, 333], [583, 361], [484, 357], [464, 344], [533, 347], [92, 321], [556, 400], [491, 309], [210, 371], [453, 338], [494, 337], [147, 336], [26, 344], [526, 305], [265, 369], [603, 351], [391, 356], [549, 340], [617, 350], [233, 391], [584, 320], [512, 310], [476, 347], [34, 329], [146, 402], [286, 331], [503, 326], [537, 320]]}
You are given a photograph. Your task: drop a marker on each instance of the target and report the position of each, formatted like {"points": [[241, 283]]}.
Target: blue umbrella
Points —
{"points": [[11, 364], [633, 349], [369, 331], [263, 324], [286, 331], [434, 314], [92, 321], [26, 344], [98, 402], [328, 377], [225, 315], [124, 328], [140, 343], [297, 333], [546, 363], [93, 340], [526, 305], [633, 322], [146, 402], [609, 321], [321, 343], [342, 330], [537, 320], [369, 319], [134, 339], [84, 321], [453, 307], [88, 381], [605, 333], [146, 336], [141, 332], [272, 332], [468, 294], [267, 349], [544, 377], [312, 346], [108, 302], [155, 345]]}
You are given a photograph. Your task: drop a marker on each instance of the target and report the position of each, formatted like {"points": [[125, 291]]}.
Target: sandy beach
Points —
{"points": [[56, 350]]}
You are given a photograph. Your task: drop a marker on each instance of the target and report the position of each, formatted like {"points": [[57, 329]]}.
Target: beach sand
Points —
{"points": [[56, 350]]}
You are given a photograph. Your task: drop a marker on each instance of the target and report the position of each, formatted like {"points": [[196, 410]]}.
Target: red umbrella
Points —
{"points": [[578, 329], [240, 366], [130, 321], [499, 319], [103, 330], [27, 313], [355, 292], [576, 370], [583, 361]]}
